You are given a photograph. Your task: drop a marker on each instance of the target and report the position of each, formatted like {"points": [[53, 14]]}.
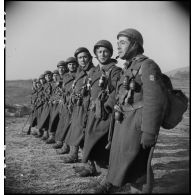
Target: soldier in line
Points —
{"points": [[103, 84], [138, 113], [62, 69], [65, 118], [81, 99], [45, 115], [56, 101], [39, 103], [33, 117]]}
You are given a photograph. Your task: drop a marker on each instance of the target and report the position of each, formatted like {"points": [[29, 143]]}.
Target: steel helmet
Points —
{"points": [[47, 72], [56, 72], [103, 43], [42, 76], [81, 49], [34, 80], [61, 63], [132, 34], [70, 59]]}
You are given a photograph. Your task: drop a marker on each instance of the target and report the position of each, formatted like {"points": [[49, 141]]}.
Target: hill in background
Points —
{"points": [[18, 92], [179, 73]]}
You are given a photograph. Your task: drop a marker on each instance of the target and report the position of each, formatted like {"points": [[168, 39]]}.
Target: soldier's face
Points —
{"points": [[123, 46], [48, 77], [38, 84], [72, 66], [61, 70], [56, 77], [83, 59], [42, 81], [34, 84], [103, 55]]}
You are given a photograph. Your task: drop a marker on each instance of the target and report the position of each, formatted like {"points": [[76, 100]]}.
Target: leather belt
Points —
{"points": [[131, 107]]}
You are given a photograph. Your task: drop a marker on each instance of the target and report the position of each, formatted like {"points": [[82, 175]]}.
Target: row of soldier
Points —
{"points": [[113, 115]]}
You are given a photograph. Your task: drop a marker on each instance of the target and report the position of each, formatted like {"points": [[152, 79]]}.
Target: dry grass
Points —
{"points": [[34, 167]]}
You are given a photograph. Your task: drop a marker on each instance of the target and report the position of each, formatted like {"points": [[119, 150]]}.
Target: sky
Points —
{"points": [[40, 34]]}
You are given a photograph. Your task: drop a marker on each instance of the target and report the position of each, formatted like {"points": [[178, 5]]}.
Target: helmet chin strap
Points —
{"points": [[106, 62], [86, 67], [131, 52]]}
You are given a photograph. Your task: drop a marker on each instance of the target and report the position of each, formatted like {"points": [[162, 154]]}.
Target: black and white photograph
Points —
{"points": [[97, 97]]}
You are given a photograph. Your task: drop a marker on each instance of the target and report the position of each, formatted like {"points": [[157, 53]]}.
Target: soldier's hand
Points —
{"points": [[147, 140], [92, 106], [107, 108]]}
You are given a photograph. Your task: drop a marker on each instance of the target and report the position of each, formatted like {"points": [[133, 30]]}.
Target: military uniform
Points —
{"points": [[65, 118], [56, 100], [33, 117], [97, 128], [142, 113], [44, 118], [80, 107]]}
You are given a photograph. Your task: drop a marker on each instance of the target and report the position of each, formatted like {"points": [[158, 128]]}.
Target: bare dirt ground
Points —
{"points": [[33, 167]]}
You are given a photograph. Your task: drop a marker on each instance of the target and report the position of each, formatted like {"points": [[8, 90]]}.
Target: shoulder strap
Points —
{"points": [[136, 72]]}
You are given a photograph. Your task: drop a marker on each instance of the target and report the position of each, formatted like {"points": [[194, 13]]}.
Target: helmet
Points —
{"points": [[81, 49], [55, 72], [47, 72], [61, 63], [42, 76], [103, 43], [70, 59], [34, 80], [132, 33]]}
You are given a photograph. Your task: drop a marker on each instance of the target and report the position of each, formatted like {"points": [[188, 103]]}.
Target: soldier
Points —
{"points": [[56, 101], [65, 118], [138, 113], [62, 69], [39, 103], [81, 102], [45, 115], [103, 84], [33, 100]]}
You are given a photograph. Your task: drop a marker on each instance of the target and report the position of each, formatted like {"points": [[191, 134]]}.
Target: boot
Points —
{"points": [[51, 139], [73, 156], [64, 150], [104, 188], [34, 132], [87, 170], [39, 133], [57, 145], [29, 130], [45, 135]]}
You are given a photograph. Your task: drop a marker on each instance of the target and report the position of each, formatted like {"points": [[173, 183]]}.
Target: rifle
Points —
{"points": [[29, 129], [147, 188]]}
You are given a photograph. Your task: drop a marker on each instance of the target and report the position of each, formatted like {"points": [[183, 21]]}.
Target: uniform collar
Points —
{"points": [[108, 66], [134, 63]]}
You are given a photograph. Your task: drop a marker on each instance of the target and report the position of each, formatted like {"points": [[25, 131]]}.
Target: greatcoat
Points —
{"points": [[96, 132], [80, 109], [66, 110], [128, 160], [45, 115]]}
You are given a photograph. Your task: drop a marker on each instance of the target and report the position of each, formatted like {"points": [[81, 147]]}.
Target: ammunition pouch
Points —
{"points": [[121, 109], [100, 112], [84, 91], [79, 100], [118, 114]]}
